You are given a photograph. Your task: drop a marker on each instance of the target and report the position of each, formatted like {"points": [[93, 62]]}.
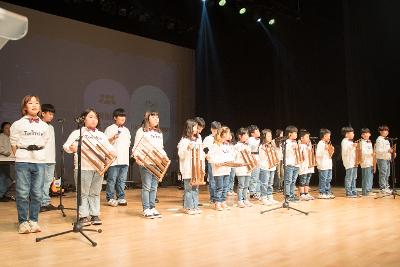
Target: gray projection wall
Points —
{"points": [[75, 65]]}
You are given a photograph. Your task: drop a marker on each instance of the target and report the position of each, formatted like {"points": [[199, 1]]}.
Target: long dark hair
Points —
{"points": [[87, 111], [188, 128], [146, 122]]}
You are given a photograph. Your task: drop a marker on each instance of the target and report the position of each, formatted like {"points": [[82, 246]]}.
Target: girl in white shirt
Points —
{"points": [[219, 154], [185, 146], [28, 137]]}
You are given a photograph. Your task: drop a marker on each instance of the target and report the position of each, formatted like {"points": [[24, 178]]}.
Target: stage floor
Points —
{"points": [[339, 232]]}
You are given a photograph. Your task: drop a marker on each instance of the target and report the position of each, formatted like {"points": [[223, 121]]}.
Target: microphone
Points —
{"points": [[314, 138], [391, 139], [61, 120]]}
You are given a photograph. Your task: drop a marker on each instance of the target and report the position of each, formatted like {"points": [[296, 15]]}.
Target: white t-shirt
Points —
{"points": [[185, 156], [367, 151], [324, 161], [238, 147], [121, 144], [153, 137], [220, 154], [305, 150], [25, 133], [73, 138], [382, 147], [348, 154], [50, 148], [290, 154]]}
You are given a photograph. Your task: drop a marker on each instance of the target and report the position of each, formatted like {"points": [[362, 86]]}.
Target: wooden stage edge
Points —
{"points": [[339, 232]]}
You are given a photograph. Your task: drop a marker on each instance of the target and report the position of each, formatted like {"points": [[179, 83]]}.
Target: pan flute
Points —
{"points": [[153, 159], [96, 153], [198, 165]]}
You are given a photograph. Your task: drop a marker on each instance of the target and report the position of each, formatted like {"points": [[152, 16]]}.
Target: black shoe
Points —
{"points": [[157, 201], [84, 221], [200, 204], [96, 220], [5, 199]]}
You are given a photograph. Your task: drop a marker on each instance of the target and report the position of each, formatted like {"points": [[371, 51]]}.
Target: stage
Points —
{"points": [[339, 232]]}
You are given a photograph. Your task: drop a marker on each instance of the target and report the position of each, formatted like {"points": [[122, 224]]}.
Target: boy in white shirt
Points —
{"points": [[291, 171], [48, 112], [306, 170], [120, 137], [383, 157], [323, 156], [349, 161]]}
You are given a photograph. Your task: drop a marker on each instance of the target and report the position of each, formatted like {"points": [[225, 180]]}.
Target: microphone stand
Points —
{"points": [[62, 171], [77, 227], [285, 204]]}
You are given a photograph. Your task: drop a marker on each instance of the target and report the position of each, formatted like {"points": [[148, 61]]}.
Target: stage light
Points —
{"points": [[271, 22], [242, 11], [222, 2], [259, 20]]}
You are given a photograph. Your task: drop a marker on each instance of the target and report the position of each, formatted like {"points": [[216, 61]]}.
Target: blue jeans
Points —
{"points": [[384, 173], [91, 183], [266, 181], [350, 181], [48, 179], [231, 180], [255, 185], [291, 173], [325, 178], [191, 195], [29, 184], [367, 175], [305, 179], [5, 179], [149, 188], [243, 187], [116, 178], [211, 182], [221, 187]]}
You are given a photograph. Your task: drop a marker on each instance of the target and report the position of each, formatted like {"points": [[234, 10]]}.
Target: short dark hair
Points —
{"points": [[240, 132], [48, 108], [215, 125], [303, 132], [252, 128], [119, 112], [323, 132], [383, 128], [347, 129], [200, 122], [365, 130], [290, 129], [278, 132], [4, 124]]}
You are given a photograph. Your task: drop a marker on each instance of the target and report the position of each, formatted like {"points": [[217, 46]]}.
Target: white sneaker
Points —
{"points": [[24, 228], [241, 204], [330, 195], [248, 203], [218, 206], [190, 212], [198, 211], [148, 214], [304, 198], [265, 201], [322, 196], [310, 197], [156, 213], [112, 202], [35, 228], [122, 202]]}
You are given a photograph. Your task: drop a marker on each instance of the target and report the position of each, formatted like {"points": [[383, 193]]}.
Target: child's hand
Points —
{"points": [[73, 148]]}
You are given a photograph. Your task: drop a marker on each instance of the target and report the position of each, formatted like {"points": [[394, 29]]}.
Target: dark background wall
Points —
{"points": [[335, 66]]}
